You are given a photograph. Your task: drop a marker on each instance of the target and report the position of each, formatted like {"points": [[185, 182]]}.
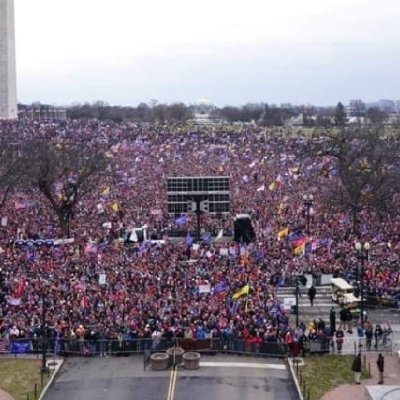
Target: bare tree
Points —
{"points": [[367, 164], [64, 174], [10, 168]]}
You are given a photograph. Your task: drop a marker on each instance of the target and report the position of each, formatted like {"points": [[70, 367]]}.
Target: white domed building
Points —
{"points": [[202, 110]]}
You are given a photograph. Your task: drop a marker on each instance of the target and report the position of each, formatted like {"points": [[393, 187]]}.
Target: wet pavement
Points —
{"points": [[223, 378]]}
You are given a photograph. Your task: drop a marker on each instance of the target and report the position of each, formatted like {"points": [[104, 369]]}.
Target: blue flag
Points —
{"points": [[180, 221], [294, 236], [207, 238], [220, 287], [189, 240]]}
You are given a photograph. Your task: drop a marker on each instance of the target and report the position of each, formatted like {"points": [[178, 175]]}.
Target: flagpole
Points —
{"points": [[198, 213]]}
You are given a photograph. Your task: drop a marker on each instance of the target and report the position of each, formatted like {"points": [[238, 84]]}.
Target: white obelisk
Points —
{"points": [[8, 75]]}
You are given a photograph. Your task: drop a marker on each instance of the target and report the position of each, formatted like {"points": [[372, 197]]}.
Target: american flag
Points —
{"points": [[2, 346]]}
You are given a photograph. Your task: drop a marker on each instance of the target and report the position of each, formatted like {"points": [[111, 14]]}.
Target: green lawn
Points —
{"points": [[18, 377], [323, 373]]}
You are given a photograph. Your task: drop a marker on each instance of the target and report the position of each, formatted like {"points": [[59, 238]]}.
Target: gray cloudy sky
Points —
{"points": [[128, 51]]}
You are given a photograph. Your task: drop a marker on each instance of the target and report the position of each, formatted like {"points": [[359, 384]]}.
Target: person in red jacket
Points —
{"points": [[339, 339]]}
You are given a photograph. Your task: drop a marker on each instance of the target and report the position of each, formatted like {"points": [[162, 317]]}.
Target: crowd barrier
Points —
{"points": [[127, 346], [124, 347]]}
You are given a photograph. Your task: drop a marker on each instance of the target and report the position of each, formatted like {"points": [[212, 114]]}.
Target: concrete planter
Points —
{"points": [[191, 360], [159, 361], [175, 355]]}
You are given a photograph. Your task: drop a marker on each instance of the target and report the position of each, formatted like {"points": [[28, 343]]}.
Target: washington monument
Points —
{"points": [[8, 79]]}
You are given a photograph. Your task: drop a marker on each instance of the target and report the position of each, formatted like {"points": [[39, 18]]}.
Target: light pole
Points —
{"points": [[297, 293], [44, 333], [362, 255], [308, 201]]}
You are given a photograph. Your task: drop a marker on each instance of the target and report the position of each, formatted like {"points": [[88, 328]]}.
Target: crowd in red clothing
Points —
{"points": [[154, 287]]}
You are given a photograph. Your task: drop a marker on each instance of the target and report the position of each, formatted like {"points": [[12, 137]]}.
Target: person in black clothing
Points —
{"points": [[368, 337], [332, 321], [378, 335], [381, 366], [343, 318], [311, 294], [356, 368], [349, 318]]}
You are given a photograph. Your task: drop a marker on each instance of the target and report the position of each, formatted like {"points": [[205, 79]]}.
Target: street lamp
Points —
{"points": [[362, 255], [297, 293], [44, 332], [308, 201]]}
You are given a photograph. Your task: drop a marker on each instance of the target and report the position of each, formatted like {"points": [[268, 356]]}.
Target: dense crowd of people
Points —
{"points": [[99, 285]]}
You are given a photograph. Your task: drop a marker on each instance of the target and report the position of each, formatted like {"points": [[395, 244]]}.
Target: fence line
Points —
{"points": [[253, 346]]}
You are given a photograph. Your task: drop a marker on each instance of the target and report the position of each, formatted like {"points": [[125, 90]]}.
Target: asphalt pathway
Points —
{"points": [[220, 378]]}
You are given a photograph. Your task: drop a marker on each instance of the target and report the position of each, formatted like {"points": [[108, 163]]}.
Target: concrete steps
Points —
{"points": [[322, 303]]}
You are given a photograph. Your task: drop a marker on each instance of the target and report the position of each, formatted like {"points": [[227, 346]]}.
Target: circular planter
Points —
{"points": [[175, 355], [159, 361], [191, 360]]}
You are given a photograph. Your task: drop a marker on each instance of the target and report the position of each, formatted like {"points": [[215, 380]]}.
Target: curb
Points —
{"points": [[49, 383], [296, 382]]}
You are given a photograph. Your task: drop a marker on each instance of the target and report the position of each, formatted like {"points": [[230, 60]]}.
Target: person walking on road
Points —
{"points": [[381, 367], [356, 368], [311, 294]]}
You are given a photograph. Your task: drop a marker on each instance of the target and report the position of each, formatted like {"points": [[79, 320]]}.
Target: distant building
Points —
{"points": [[297, 120], [43, 113], [202, 111], [353, 120], [356, 108]]}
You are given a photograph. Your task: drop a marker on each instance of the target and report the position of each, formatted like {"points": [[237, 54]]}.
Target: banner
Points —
{"points": [[156, 211], [102, 279], [21, 347], [14, 301], [204, 288]]}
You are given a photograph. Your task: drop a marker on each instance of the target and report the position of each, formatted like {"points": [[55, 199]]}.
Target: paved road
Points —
{"points": [[124, 378]]}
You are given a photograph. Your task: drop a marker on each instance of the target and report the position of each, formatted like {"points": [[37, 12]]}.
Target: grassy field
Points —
{"points": [[323, 373], [18, 377]]}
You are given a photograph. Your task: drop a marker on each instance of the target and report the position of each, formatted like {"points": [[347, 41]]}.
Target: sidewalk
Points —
{"points": [[357, 392], [5, 396]]}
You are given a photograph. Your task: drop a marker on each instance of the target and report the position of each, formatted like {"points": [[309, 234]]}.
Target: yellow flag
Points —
{"points": [[115, 207], [299, 250], [271, 187], [283, 233], [241, 292], [280, 208], [105, 191], [364, 164]]}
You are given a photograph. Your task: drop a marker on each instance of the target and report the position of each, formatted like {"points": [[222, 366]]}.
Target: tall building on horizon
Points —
{"points": [[8, 74]]}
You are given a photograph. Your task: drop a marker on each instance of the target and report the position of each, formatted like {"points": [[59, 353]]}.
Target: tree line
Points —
{"points": [[263, 114]]}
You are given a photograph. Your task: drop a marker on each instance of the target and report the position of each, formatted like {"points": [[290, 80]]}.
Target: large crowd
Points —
{"points": [[162, 288]]}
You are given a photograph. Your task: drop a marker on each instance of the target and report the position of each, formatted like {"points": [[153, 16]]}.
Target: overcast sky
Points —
{"points": [[232, 52]]}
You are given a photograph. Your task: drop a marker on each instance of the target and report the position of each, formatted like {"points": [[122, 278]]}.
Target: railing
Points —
{"points": [[126, 346], [304, 389], [254, 346], [35, 393]]}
